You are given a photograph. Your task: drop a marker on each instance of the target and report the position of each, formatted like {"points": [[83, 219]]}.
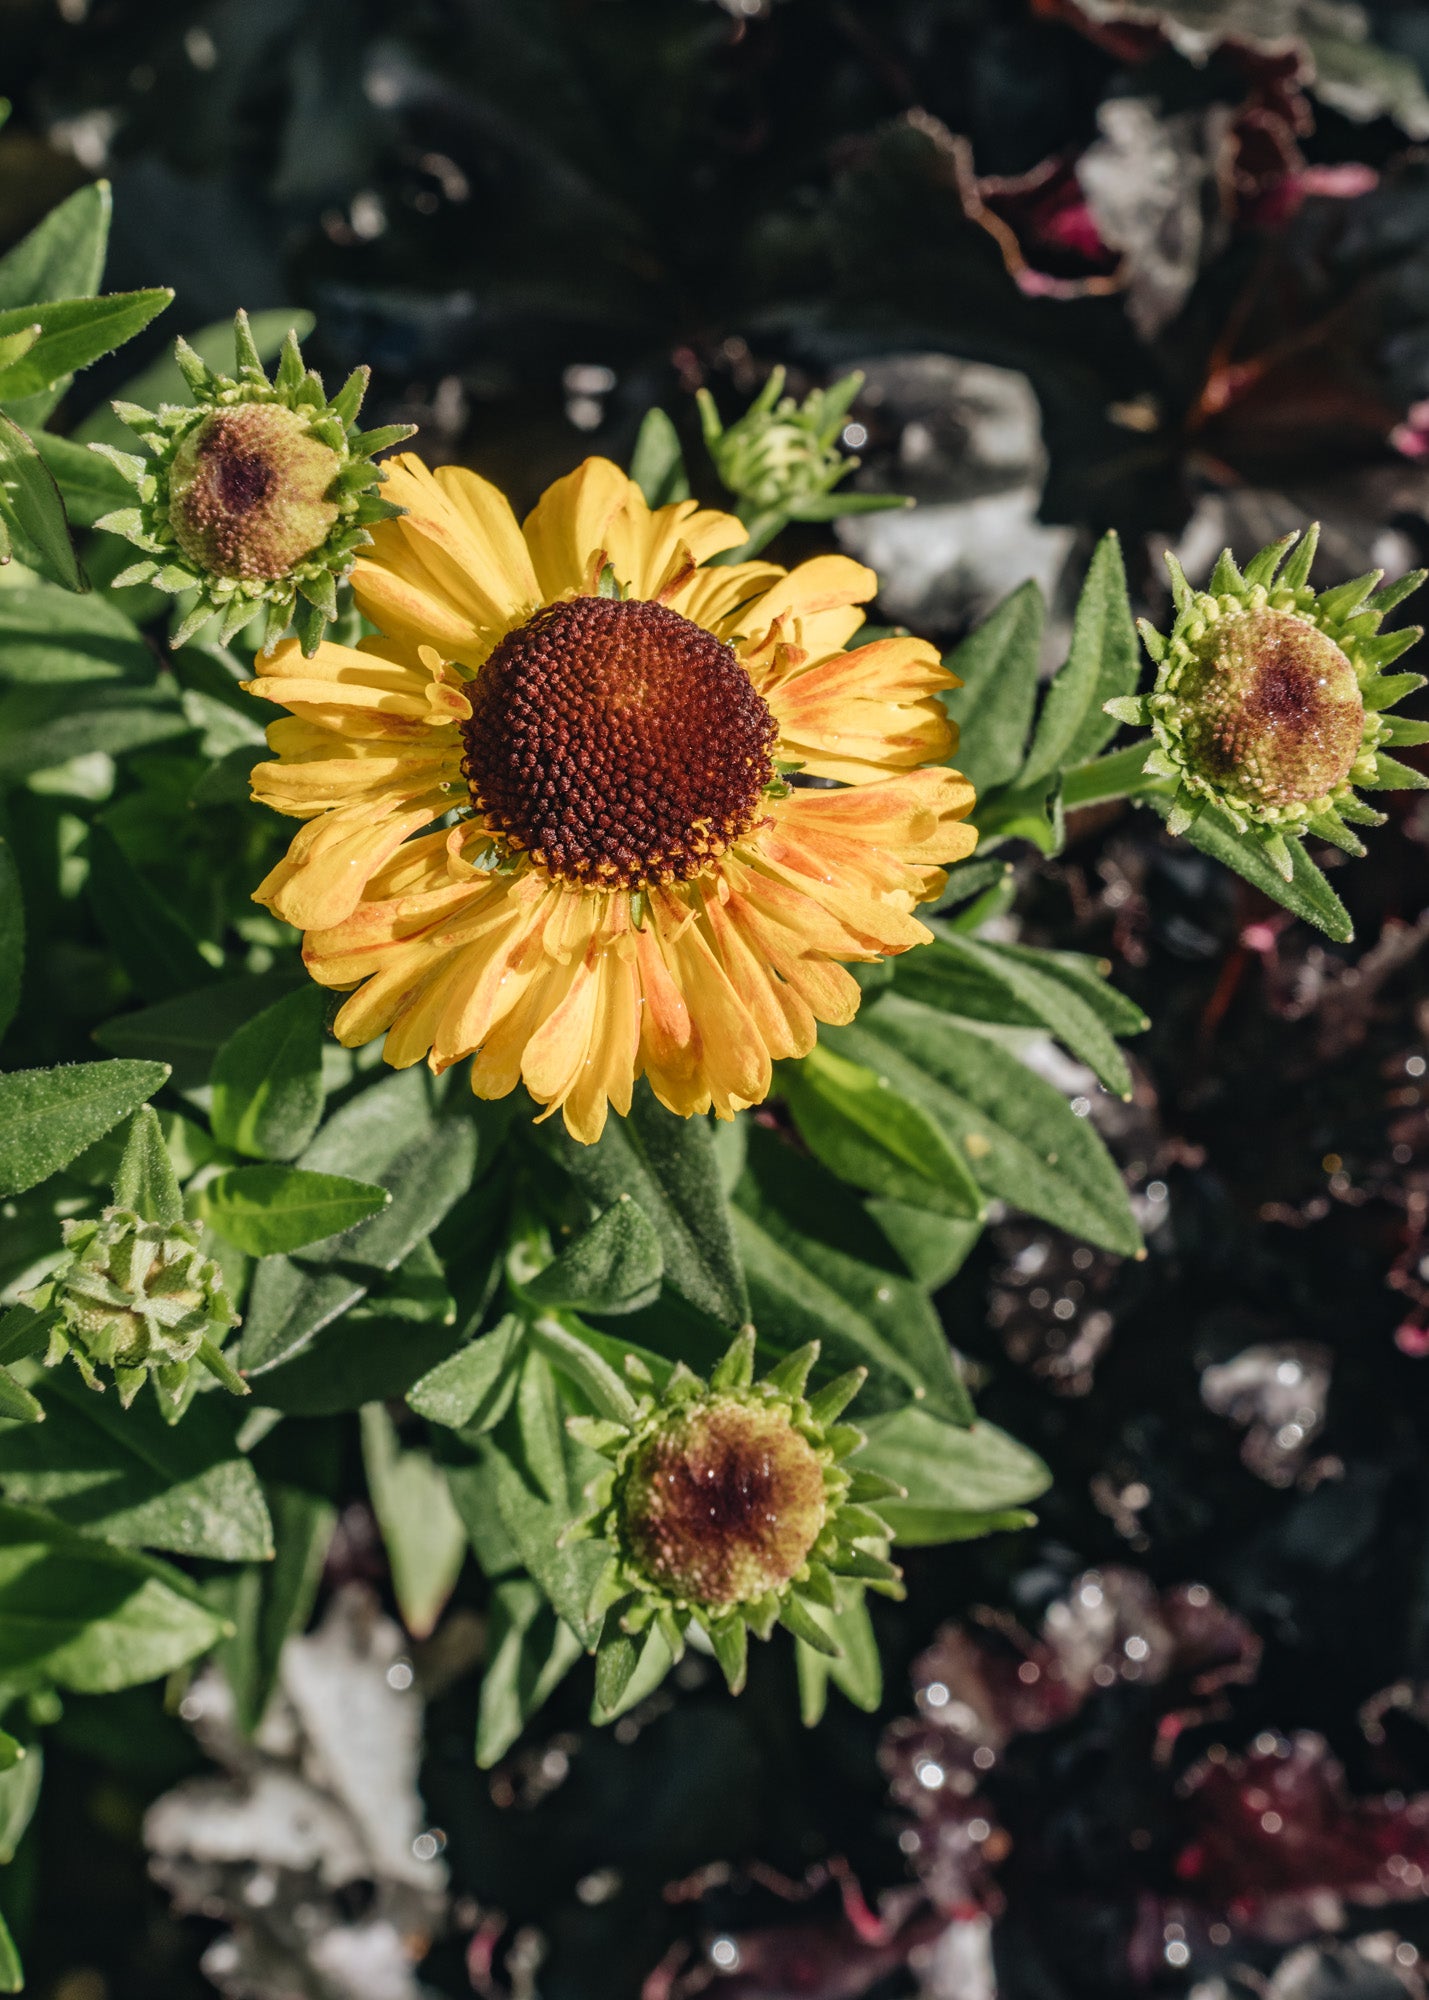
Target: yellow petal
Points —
{"points": [[458, 547], [570, 523]]}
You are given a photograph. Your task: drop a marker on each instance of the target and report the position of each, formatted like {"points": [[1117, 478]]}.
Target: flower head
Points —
{"points": [[1269, 699], [256, 496], [138, 1298], [781, 453], [728, 1504], [633, 875]]}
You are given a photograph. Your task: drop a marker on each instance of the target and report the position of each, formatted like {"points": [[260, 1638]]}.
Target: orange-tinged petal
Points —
{"points": [[733, 1060], [322, 877]]}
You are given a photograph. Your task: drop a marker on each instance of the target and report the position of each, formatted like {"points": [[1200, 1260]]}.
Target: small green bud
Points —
{"points": [[137, 1298], [256, 496], [1270, 704], [780, 453], [726, 1505], [724, 1502], [249, 491]]}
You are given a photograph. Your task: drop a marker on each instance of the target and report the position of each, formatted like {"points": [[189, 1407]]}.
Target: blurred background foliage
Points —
{"points": [[1163, 269]]}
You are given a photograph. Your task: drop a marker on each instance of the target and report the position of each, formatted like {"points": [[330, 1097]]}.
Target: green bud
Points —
{"points": [[249, 491], [782, 454], [726, 1505], [1271, 701], [1270, 709], [256, 496], [724, 1502], [137, 1298]]}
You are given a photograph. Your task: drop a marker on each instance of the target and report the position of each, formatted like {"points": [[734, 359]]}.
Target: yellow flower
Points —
{"points": [[630, 887]]}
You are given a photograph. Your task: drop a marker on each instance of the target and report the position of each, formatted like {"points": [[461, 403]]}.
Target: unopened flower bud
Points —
{"points": [[1269, 707], [1271, 702], [138, 1298], [728, 1505], [250, 491], [724, 1502], [256, 497]]}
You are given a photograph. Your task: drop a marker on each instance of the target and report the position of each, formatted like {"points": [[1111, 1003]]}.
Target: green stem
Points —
{"points": [[1118, 776]]}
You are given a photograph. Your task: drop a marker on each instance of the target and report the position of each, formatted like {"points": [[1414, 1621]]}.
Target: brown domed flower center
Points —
{"points": [[248, 491], [1273, 707], [619, 743], [723, 1503]]}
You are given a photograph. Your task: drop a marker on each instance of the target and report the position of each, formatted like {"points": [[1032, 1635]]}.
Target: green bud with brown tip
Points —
{"points": [[1270, 709], [1271, 702], [256, 497], [250, 491], [727, 1506], [723, 1503]]}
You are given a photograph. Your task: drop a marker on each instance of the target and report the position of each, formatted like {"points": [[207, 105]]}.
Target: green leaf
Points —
{"points": [[794, 1304], [1101, 664], [530, 1652], [669, 1166], [421, 1529], [615, 1664], [1021, 1138], [289, 1307], [842, 1267], [267, 1079], [371, 1350], [933, 1248], [267, 1602], [163, 381], [1307, 894], [1089, 979], [190, 1030], [615, 1266], [564, 1345], [73, 332], [146, 1181], [63, 256], [1024, 812], [658, 463], [89, 485], [390, 1135], [36, 734], [473, 1386], [997, 665], [654, 1663], [49, 637], [947, 1472], [49, 1116], [12, 1973], [567, 1574], [12, 935], [268, 1210], [858, 1672], [32, 513], [871, 1137], [135, 1479], [19, 1795], [985, 982], [88, 1616], [148, 939]]}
